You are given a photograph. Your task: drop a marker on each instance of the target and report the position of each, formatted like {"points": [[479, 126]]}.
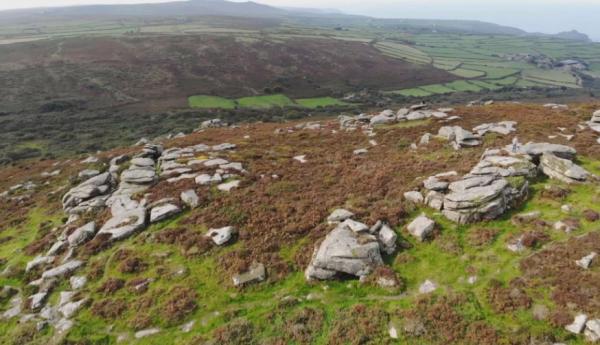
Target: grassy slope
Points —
{"points": [[448, 260]]}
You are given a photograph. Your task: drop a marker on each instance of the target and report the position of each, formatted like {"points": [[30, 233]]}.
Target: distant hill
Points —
{"points": [[176, 8], [573, 35], [249, 9]]}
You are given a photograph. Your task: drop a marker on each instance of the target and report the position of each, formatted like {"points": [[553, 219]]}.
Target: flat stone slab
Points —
{"points": [[163, 212], [222, 235]]}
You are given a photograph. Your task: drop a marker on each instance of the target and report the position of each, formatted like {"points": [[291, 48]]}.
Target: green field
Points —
{"points": [[211, 102], [262, 102], [267, 101], [482, 60]]}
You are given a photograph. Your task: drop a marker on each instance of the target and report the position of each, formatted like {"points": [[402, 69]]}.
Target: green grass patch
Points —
{"points": [[265, 102], [464, 86]]}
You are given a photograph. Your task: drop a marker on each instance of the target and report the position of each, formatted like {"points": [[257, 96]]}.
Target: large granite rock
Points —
{"points": [[82, 234], [62, 270], [421, 227], [124, 224], [562, 169], [503, 128], [536, 150], [96, 186], [459, 137], [344, 251], [594, 122]]}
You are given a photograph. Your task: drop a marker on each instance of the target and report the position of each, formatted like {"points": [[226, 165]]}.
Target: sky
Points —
{"points": [[548, 16]]}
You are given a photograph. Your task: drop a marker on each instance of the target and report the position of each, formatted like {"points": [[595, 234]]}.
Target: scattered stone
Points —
{"points": [[228, 186], [187, 327], [39, 261], [459, 136], [36, 301], [421, 227], [146, 333], [163, 212], [592, 330], [566, 225], [82, 234], [435, 200], [578, 324], [124, 224], [222, 235], [77, 282], [190, 198], [63, 269], [562, 169], [387, 239], [360, 152], [355, 226], [414, 197], [427, 287], [301, 159], [344, 251], [586, 261], [503, 128], [339, 215], [257, 273], [213, 123], [516, 246], [568, 209]]}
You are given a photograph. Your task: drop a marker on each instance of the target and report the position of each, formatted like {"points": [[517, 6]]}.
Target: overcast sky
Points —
{"points": [[549, 16]]}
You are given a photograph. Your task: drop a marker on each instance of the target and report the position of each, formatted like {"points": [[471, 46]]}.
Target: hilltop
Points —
{"points": [[471, 225]]}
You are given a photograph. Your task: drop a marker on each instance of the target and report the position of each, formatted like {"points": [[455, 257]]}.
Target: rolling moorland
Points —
{"points": [[208, 238], [209, 172], [70, 78]]}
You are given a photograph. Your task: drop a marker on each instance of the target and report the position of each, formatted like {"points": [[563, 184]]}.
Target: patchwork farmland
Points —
{"points": [[484, 61]]}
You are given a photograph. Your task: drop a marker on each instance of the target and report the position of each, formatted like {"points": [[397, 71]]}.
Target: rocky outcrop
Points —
{"points": [[459, 137], [594, 122], [89, 195], [345, 251], [421, 227], [562, 169], [503, 128]]}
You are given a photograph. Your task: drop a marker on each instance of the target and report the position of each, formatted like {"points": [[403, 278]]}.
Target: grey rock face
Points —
{"points": [[257, 273], [387, 239], [82, 234], [536, 150], [63, 269], [93, 187], [345, 251], [503, 128], [339, 215], [124, 224], [162, 212], [459, 136], [138, 176], [222, 235], [414, 196], [190, 198], [228, 186], [562, 169], [39, 261], [421, 227]]}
